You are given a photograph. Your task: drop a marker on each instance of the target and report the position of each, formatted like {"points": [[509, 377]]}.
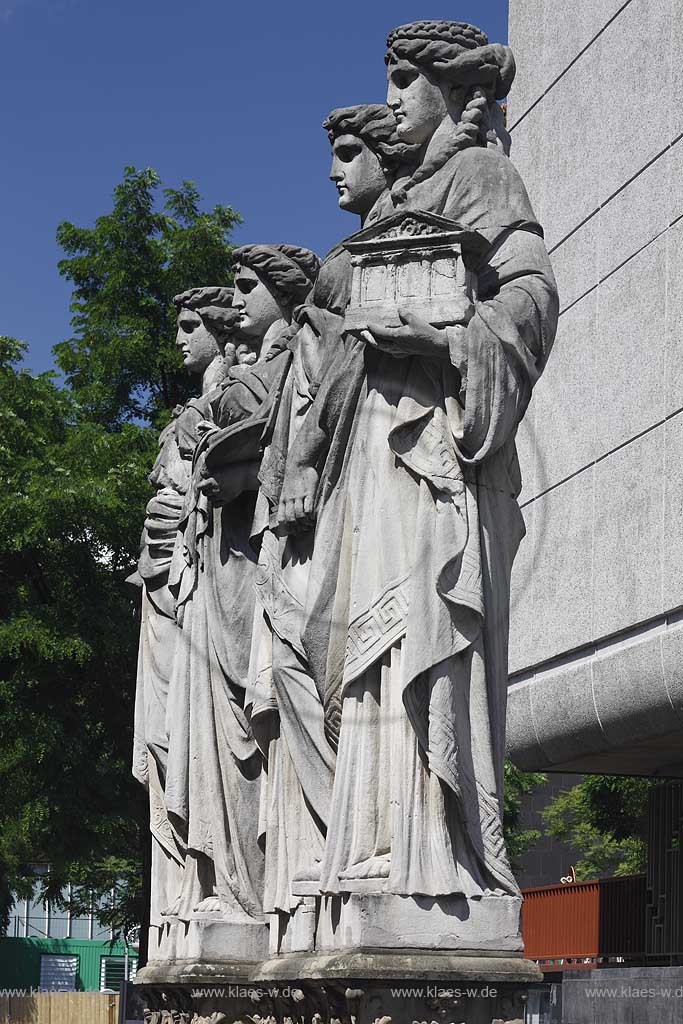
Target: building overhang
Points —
{"points": [[614, 708]]}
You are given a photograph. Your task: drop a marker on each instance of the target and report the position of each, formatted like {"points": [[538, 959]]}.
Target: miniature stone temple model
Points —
{"points": [[334, 744]]}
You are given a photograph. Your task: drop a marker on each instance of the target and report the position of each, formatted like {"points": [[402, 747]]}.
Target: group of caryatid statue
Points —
{"points": [[322, 681]]}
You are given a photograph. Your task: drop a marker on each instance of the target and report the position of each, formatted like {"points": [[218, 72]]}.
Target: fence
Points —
{"points": [[586, 921], [60, 1008]]}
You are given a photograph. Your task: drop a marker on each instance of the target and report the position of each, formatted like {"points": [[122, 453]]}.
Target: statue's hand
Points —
{"points": [[227, 484], [297, 501], [415, 337]]}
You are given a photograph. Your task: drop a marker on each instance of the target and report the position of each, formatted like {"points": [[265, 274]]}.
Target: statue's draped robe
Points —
{"points": [[159, 635], [285, 706], [213, 780], [418, 525]]}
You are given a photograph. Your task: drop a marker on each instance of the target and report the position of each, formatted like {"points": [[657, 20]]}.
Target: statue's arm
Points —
{"points": [[502, 351]]}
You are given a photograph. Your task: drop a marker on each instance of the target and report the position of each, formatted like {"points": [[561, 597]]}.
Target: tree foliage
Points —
{"points": [[70, 506], [74, 459], [122, 364], [518, 784], [605, 819]]}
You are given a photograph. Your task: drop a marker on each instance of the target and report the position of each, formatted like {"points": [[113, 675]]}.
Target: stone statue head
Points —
{"points": [[270, 280], [438, 68], [366, 152], [206, 320]]}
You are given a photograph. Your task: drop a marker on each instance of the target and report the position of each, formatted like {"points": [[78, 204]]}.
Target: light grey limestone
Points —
{"points": [[333, 749], [611, 210], [672, 518], [548, 36], [527, 40], [644, 707], [627, 543], [630, 343], [640, 212], [674, 307], [564, 714], [491, 923], [572, 156], [566, 395], [523, 742], [621, 707], [521, 594], [569, 29], [632, 58], [675, 83], [575, 263], [563, 564]]}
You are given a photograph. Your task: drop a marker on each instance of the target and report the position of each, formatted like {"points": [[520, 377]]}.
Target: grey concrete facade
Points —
{"points": [[596, 641]]}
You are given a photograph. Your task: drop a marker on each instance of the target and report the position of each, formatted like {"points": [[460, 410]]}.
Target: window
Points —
{"points": [[112, 970], [58, 973]]}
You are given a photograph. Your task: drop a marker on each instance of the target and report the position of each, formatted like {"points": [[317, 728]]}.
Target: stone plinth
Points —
{"points": [[363, 987]]}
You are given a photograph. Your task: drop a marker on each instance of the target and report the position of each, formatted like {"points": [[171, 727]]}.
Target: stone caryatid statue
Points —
{"points": [[206, 321], [213, 771], [285, 705], [332, 760], [408, 458]]}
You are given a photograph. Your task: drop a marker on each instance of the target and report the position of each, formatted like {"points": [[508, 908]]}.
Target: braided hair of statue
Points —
{"points": [[289, 270], [461, 55], [375, 124]]}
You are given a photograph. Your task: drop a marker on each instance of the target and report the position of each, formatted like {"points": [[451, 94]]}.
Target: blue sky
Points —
{"points": [[227, 93]]}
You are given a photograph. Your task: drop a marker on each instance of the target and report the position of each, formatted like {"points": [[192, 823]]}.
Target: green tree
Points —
{"points": [[518, 785], [121, 364], [71, 503], [604, 818], [74, 461]]}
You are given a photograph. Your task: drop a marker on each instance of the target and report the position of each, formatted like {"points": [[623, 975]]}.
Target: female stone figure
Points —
{"points": [[286, 707], [205, 322], [213, 780], [418, 523]]}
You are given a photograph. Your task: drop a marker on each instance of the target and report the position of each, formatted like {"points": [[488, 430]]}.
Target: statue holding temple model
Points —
{"points": [[325, 663], [408, 459], [286, 707]]}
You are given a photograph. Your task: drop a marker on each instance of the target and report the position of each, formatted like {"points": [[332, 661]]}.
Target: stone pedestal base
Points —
{"points": [[349, 988], [206, 946], [450, 923]]}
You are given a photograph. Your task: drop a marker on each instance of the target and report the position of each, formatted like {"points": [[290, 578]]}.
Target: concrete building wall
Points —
{"points": [[596, 656]]}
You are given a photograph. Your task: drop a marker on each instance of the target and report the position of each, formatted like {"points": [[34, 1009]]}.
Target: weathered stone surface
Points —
{"points": [[563, 568], [621, 707], [521, 595], [628, 541], [355, 921], [575, 263], [331, 774], [674, 307], [544, 50], [636, 43], [564, 715], [567, 394]]}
